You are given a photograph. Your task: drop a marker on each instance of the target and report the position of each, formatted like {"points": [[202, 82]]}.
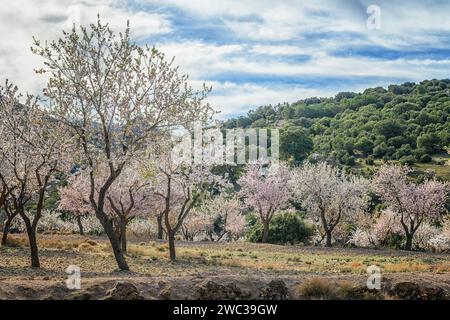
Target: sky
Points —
{"points": [[252, 52]]}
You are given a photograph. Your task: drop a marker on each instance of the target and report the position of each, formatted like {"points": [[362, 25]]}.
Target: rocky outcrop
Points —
{"points": [[414, 291], [275, 290], [123, 291], [210, 290]]}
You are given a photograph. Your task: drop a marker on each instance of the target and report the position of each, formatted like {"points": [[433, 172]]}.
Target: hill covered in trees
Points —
{"points": [[408, 123]]}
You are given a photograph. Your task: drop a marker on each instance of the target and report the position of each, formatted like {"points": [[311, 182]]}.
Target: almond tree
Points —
{"points": [[329, 195], [74, 199], [4, 203], [156, 206], [414, 204], [223, 209], [114, 96], [265, 190], [127, 198], [199, 222], [10, 215], [34, 148], [181, 185]]}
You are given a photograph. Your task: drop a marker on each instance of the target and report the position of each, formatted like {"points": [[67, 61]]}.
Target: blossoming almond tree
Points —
{"points": [[329, 195], [114, 96], [413, 203], [219, 217], [4, 204], [11, 214], [181, 185], [34, 148], [74, 199], [265, 190], [127, 198]]}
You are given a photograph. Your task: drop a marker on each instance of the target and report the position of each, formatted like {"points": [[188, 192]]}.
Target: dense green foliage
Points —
{"points": [[407, 122], [287, 227]]}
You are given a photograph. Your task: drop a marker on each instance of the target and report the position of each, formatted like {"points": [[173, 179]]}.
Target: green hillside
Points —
{"points": [[408, 123]]}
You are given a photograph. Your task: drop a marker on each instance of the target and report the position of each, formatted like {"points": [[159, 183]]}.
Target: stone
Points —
{"points": [[275, 290], [79, 295], [414, 291], [123, 291], [210, 290]]}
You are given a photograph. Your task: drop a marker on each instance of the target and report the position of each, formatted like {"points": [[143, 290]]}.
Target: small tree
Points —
{"points": [[219, 217], [181, 185], [5, 204], [127, 198], [74, 199], [10, 215], [113, 96], [414, 204], [329, 195], [34, 148], [265, 190]]}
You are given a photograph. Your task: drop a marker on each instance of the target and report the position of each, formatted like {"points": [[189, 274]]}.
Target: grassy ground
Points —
{"points": [[440, 165], [250, 266], [442, 170], [94, 257]]}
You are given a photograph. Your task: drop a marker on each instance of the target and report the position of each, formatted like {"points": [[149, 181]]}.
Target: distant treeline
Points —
{"points": [[407, 122]]}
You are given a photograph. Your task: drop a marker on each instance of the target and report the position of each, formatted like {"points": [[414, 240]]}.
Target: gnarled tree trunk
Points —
{"points": [[6, 228], [328, 238], [409, 241], [31, 232], [159, 221], [172, 253], [123, 234], [80, 225], [265, 237], [114, 240]]}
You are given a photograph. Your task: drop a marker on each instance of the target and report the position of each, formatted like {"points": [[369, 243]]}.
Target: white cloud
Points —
{"points": [[23, 19], [262, 36]]}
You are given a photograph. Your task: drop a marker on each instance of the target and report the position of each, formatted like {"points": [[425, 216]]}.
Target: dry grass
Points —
{"points": [[94, 256], [318, 288]]}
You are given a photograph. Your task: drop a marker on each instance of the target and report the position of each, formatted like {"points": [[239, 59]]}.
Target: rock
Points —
{"points": [[123, 291], [79, 295], [434, 293], [165, 292], [210, 290], [275, 290], [415, 291], [406, 291], [364, 293]]}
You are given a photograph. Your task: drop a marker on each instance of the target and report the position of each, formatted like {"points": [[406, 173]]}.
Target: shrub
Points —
{"points": [[287, 227], [407, 160], [425, 158], [318, 288]]}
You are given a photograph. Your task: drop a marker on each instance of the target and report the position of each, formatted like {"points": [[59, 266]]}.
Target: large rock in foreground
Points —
{"points": [[413, 291], [210, 290], [275, 290], [123, 291]]}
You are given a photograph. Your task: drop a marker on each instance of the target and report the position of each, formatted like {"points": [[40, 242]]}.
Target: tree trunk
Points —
{"points": [[172, 246], [265, 238], [409, 240], [160, 227], [115, 243], [328, 239], [80, 225], [123, 235], [6, 228], [31, 232]]}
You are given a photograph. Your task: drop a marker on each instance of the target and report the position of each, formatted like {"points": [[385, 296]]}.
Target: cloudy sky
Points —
{"points": [[253, 52]]}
